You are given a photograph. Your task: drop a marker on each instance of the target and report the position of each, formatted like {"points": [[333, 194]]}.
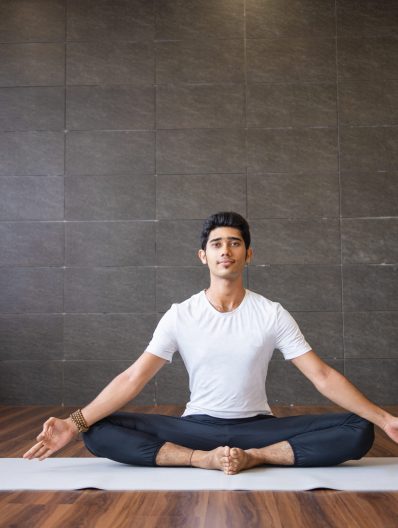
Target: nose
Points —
{"points": [[225, 250]]}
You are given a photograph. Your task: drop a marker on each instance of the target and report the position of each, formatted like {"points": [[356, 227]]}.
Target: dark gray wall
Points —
{"points": [[125, 123]]}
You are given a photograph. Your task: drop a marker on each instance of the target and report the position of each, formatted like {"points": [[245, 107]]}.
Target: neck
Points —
{"points": [[226, 295]]}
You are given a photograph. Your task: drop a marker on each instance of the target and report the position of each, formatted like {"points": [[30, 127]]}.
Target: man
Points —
{"points": [[225, 335]]}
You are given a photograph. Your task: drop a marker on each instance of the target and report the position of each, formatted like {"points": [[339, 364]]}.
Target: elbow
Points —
{"points": [[323, 378], [128, 377], [128, 385], [134, 380]]}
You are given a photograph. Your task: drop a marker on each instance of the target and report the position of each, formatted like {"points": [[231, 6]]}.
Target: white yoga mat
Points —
{"points": [[367, 474]]}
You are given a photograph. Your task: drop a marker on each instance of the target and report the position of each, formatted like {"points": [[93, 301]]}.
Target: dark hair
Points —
{"points": [[225, 219]]}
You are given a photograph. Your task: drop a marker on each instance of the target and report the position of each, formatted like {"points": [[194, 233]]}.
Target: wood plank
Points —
{"points": [[204, 509]]}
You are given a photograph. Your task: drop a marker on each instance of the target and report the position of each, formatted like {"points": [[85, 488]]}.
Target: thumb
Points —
{"points": [[47, 426]]}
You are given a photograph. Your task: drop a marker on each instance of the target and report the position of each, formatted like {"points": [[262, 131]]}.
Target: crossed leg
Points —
{"points": [[230, 445]]}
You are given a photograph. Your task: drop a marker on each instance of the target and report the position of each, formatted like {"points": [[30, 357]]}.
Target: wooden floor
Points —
{"points": [[216, 509]]}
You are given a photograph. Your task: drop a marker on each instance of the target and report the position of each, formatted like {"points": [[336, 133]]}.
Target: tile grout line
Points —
{"points": [[155, 94], [188, 39], [339, 178], [187, 129], [247, 273], [64, 220]]}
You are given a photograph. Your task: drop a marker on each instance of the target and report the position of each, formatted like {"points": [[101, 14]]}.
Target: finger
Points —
{"points": [[50, 421], [33, 450], [41, 451], [46, 455], [46, 434], [49, 432], [48, 425]]}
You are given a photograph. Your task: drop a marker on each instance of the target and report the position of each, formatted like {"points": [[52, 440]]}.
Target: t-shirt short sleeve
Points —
{"points": [[164, 341], [289, 339]]}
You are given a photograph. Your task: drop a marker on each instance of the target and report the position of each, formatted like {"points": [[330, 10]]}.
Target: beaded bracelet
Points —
{"points": [[78, 419]]}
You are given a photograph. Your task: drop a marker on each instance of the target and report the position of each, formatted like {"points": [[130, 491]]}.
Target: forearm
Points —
{"points": [[115, 395], [123, 388], [341, 391]]}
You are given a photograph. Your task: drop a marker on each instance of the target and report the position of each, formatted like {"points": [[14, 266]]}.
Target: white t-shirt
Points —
{"points": [[226, 354]]}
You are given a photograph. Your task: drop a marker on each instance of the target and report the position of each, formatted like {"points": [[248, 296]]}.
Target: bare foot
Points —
{"points": [[230, 460], [217, 458], [240, 460]]}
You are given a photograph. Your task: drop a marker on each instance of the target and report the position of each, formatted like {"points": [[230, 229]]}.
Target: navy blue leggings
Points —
{"points": [[316, 440]]}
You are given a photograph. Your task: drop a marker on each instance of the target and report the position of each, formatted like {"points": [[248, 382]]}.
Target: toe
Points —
{"points": [[234, 466]]}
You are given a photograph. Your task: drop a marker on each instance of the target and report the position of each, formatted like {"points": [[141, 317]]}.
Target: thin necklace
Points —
{"points": [[219, 307]]}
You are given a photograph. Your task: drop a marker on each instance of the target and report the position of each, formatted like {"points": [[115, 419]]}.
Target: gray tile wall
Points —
{"points": [[124, 124]]}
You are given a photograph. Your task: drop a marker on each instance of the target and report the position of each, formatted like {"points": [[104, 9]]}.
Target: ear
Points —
{"points": [[249, 255], [202, 256]]}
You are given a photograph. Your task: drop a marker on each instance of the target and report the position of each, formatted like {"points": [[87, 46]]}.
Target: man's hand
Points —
{"points": [[391, 428], [55, 435]]}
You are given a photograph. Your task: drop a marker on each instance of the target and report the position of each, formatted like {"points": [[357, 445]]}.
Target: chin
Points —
{"points": [[228, 274]]}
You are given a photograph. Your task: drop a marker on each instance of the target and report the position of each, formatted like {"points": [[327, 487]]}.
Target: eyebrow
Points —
{"points": [[228, 238]]}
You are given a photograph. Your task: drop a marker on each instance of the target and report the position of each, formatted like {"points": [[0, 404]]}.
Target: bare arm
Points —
{"points": [[341, 391], [57, 433], [123, 388]]}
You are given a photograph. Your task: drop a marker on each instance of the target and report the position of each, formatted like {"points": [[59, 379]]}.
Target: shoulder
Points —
{"points": [[191, 301], [190, 305], [260, 302], [179, 313]]}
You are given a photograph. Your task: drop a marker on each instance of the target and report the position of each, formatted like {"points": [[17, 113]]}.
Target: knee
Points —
{"points": [[92, 439], [364, 434]]}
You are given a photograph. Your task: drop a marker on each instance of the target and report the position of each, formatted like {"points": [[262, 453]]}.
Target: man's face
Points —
{"points": [[225, 252]]}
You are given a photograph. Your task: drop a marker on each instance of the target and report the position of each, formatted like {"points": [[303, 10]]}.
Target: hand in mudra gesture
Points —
{"points": [[56, 434]]}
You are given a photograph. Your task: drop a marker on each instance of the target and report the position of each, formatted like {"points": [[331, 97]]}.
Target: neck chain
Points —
{"points": [[219, 307]]}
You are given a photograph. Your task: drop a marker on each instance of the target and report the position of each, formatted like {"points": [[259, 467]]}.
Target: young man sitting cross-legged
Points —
{"points": [[226, 335]]}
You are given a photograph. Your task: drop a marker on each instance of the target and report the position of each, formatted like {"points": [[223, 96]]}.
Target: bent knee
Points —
{"points": [[368, 434], [92, 440], [364, 434]]}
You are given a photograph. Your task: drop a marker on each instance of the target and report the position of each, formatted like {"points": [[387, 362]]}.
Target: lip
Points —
{"points": [[226, 261]]}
